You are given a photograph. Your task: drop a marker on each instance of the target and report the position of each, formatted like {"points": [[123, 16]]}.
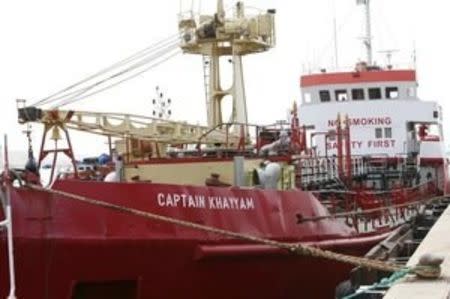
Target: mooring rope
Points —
{"points": [[386, 282], [297, 248]]}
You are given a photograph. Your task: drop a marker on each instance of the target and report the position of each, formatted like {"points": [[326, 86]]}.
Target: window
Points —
{"points": [[411, 92], [378, 133], [341, 95], [391, 92], [387, 132], [374, 93], [435, 114], [307, 97], [331, 135], [357, 94], [324, 95]]}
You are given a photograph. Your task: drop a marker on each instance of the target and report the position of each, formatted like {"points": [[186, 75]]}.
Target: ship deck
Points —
{"points": [[437, 241]]}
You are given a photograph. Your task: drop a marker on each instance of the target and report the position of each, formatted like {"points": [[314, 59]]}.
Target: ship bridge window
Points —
{"points": [[411, 91], [324, 95], [387, 132], [341, 95], [307, 97], [358, 94], [391, 92], [374, 93], [435, 114], [378, 133]]}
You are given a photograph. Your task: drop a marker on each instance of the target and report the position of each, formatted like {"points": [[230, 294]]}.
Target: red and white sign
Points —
{"points": [[365, 121], [358, 144]]}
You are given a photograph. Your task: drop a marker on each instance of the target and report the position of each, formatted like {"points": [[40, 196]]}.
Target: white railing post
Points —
{"points": [[12, 275], [7, 222]]}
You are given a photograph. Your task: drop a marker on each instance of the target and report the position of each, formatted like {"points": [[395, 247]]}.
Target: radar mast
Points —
{"points": [[368, 35]]}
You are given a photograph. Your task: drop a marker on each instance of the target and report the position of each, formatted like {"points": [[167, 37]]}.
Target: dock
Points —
{"points": [[437, 241]]}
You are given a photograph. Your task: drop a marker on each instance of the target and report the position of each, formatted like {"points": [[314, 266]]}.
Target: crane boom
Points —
{"points": [[126, 126]]}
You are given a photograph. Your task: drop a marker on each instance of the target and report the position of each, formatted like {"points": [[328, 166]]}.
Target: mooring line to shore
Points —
{"points": [[297, 248]]}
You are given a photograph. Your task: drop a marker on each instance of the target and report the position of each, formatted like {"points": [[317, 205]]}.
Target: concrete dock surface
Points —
{"points": [[437, 241]]}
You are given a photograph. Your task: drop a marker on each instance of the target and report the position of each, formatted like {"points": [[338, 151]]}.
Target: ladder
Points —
{"points": [[410, 166], [206, 78]]}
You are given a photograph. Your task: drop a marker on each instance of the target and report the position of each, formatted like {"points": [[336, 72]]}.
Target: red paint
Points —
{"points": [[60, 243], [238, 250], [340, 150], [434, 162], [200, 159], [438, 161], [66, 151], [357, 77], [348, 152]]}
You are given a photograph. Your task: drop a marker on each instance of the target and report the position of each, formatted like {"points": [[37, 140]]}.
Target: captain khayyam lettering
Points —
{"points": [[205, 202]]}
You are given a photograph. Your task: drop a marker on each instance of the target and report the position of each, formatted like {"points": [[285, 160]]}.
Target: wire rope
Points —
{"points": [[120, 63]]}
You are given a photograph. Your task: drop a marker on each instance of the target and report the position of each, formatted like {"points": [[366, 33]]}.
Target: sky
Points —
{"points": [[49, 44]]}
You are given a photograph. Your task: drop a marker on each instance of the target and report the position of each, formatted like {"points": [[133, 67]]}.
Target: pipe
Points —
{"points": [[8, 223], [340, 161], [348, 157], [242, 250], [12, 277]]}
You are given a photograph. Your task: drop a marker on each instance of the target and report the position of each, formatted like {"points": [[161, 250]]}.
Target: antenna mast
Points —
{"points": [[368, 37], [336, 53]]}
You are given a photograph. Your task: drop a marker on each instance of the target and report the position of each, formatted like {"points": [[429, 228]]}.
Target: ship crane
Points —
{"points": [[219, 36], [122, 126], [212, 36], [127, 128]]}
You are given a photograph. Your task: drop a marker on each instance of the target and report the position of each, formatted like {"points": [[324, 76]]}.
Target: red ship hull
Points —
{"points": [[67, 249]]}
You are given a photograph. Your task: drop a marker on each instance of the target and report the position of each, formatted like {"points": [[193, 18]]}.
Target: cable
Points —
{"points": [[70, 101], [115, 65], [135, 56], [134, 66], [79, 92], [121, 81], [326, 48]]}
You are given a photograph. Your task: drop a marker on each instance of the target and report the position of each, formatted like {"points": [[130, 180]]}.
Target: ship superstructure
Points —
{"points": [[390, 125]]}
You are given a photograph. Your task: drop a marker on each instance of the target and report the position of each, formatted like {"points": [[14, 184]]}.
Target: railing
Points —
{"points": [[361, 207], [7, 223], [5, 198], [322, 169], [244, 136], [310, 70]]}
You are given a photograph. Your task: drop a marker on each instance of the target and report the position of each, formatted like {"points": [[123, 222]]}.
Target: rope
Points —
{"points": [[384, 283], [173, 54], [76, 95], [297, 248], [120, 63], [370, 211], [348, 17]]}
